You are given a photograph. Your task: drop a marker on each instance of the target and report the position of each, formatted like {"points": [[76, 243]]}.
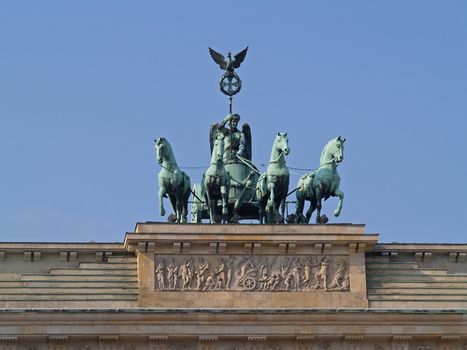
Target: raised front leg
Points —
{"points": [[340, 194], [162, 192]]}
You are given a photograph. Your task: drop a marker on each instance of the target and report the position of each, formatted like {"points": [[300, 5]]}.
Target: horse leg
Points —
{"points": [[173, 202], [261, 211], [225, 209], [282, 206], [299, 218], [185, 206], [270, 206], [162, 192], [318, 206], [284, 197], [210, 205], [310, 210], [340, 194], [178, 199]]}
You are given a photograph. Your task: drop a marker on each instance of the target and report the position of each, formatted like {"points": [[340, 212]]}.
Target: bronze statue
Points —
{"points": [[228, 65], [173, 182], [237, 143], [321, 183], [230, 83], [217, 182], [273, 185]]}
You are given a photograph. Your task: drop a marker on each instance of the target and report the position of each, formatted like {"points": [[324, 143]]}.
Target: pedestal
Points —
{"points": [[251, 266]]}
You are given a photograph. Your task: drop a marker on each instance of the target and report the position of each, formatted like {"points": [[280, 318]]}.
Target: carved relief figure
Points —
{"points": [[296, 275], [202, 267], [220, 271], [307, 273], [260, 273], [186, 272], [172, 275], [340, 280], [273, 281], [245, 271], [210, 282], [322, 275], [264, 277], [286, 275], [160, 275]]}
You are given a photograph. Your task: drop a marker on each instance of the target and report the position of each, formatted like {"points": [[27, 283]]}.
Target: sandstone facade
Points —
{"points": [[234, 287]]}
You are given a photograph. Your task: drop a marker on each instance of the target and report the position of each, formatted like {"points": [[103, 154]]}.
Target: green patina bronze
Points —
{"points": [[232, 188], [273, 185], [173, 182], [216, 181], [321, 183], [239, 201]]}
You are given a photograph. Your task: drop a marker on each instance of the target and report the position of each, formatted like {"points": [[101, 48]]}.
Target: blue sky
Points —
{"points": [[86, 86]]}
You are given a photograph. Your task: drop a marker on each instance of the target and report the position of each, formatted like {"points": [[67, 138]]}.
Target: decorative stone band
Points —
{"points": [[259, 273]]}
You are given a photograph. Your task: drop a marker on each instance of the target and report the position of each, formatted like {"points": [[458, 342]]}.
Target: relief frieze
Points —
{"points": [[258, 273]]}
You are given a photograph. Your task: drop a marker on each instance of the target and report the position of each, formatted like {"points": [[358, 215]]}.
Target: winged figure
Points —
{"points": [[236, 141], [228, 64]]}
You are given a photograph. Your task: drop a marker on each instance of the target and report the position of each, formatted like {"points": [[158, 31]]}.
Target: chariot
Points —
{"points": [[243, 175]]}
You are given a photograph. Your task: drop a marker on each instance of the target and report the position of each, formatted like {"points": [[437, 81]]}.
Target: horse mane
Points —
{"points": [[323, 153], [169, 152], [325, 148], [169, 149]]}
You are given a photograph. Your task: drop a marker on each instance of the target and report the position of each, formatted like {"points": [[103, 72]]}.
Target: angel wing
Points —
{"points": [[218, 58], [248, 147], [239, 57]]}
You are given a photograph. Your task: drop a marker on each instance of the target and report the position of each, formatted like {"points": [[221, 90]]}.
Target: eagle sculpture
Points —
{"points": [[228, 64]]}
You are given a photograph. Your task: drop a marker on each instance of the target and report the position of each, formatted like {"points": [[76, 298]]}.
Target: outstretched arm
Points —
{"points": [[226, 119]]}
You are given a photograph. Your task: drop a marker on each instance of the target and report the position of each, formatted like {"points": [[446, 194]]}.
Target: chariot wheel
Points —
{"points": [[249, 283]]}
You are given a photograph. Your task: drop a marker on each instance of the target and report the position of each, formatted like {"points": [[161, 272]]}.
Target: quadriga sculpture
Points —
{"points": [[273, 185], [321, 183], [173, 182], [217, 182]]}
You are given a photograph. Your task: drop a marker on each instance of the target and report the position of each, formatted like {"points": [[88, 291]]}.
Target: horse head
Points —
{"points": [[282, 143], [218, 149], [160, 149], [334, 150], [164, 152]]}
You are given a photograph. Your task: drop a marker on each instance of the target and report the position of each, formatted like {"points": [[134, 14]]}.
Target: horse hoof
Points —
{"points": [[291, 219], [172, 218], [235, 219], [337, 213], [162, 212], [323, 219]]}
